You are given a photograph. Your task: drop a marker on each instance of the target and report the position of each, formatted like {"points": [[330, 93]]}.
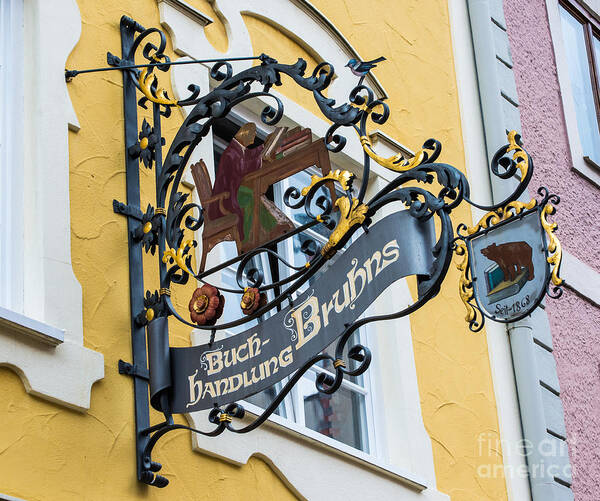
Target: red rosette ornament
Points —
{"points": [[206, 305], [252, 300]]}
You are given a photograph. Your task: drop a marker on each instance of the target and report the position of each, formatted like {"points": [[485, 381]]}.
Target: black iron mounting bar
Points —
{"points": [[70, 74]]}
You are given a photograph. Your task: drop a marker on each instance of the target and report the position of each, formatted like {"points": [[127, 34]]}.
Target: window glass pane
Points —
{"points": [[299, 216], [581, 84], [341, 416], [266, 397]]}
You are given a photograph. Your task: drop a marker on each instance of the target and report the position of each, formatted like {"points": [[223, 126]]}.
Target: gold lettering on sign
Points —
{"points": [[208, 388], [352, 275], [340, 307], [215, 362], [391, 253], [267, 365], [313, 321], [286, 357], [375, 258], [239, 380], [308, 323], [194, 386]]}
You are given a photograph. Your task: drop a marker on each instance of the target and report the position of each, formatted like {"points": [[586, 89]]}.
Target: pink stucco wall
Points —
{"points": [[575, 322]]}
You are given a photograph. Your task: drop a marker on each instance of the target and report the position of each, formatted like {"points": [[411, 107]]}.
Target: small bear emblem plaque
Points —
{"points": [[509, 268]]}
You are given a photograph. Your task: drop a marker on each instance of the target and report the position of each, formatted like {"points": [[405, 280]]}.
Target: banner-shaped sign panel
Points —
{"points": [[237, 367]]}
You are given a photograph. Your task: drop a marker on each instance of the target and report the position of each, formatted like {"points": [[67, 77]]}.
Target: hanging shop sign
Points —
{"points": [[509, 265], [234, 368], [507, 260]]}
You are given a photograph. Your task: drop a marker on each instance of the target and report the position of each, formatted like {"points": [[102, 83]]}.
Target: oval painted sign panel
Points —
{"points": [[509, 267]]}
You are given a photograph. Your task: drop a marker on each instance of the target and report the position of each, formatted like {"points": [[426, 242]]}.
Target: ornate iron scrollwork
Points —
{"points": [[168, 224]]}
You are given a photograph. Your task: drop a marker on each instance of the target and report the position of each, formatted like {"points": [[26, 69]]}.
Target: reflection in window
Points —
{"points": [[340, 416], [583, 82]]}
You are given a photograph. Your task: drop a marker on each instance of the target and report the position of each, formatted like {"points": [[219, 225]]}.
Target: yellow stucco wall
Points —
{"points": [[51, 453]]}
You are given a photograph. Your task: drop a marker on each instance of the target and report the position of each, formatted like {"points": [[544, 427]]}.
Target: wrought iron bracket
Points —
{"points": [[127, 210], [128, 369], [166, 225]]}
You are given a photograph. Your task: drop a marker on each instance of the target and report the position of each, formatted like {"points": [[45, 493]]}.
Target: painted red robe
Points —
{"points": [[236, 161]]}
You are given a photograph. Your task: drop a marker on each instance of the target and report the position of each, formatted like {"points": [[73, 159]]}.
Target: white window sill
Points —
{"points": [[22, 324], [589, 169], [339, 448], [301, 457]]}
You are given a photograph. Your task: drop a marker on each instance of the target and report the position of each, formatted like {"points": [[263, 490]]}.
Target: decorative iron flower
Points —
{"points": [[150, 224], [206, 305], [144, 148], [252, 300]]}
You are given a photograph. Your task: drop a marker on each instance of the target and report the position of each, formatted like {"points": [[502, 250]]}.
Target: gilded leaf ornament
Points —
{"points": [[179, 256], [465, 285], [351, 214], [520, 157], [511, 209], [554, 246], [343, 177], [397, 163], [146, 80]]}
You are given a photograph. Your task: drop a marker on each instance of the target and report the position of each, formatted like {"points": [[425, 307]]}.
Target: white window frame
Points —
{"points": [[41, 324], [297, 395], [293, 404], [577, 154]]}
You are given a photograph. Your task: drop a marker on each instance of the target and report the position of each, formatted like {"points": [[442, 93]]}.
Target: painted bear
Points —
{"points": [[511, 257]]}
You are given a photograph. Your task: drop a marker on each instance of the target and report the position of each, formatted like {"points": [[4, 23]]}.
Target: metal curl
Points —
{"points": [[293, 193], [547, 197], [554, 291], [506, 167], [270, 115], [334, 142], [158, 55], [176, 275], [477, 323], [254, 276], [431, 145], [218, 75], [322, 202], [138, 40], [191, 223], [309, 247], [328, 384], [379, 118], [195, 92], [355, 96], [325, 71], [361, 354]]}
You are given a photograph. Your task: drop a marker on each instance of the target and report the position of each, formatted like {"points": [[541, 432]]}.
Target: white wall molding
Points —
{"points": [[580, 277], [298, 18], [499, 353], [52, 295], [11, 321], [530, 336]]}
